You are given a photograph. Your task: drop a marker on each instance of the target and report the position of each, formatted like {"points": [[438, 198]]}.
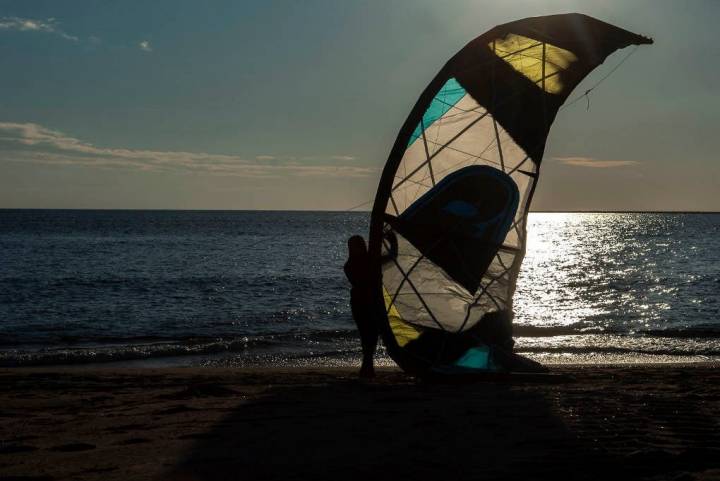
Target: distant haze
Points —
{"points": [[295, 105]]}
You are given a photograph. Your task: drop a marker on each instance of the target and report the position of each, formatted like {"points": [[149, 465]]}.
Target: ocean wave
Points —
{"points": [[710, 351], [700, 332], [552, 331], [685, 333], [342, 342], [93, 341], [115, 353], [279, 331], [152, 347]]}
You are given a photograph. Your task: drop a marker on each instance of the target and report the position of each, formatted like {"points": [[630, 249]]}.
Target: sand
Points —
{"points": [[622, 422]]}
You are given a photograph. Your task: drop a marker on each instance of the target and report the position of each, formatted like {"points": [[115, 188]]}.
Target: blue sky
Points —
{"points": [[295, 105]]}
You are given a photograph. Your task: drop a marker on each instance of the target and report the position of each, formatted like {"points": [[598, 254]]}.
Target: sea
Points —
{"points": [[255, 288]]}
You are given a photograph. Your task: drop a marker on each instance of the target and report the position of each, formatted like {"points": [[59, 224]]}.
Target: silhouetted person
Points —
{"points": [[358, 273]]}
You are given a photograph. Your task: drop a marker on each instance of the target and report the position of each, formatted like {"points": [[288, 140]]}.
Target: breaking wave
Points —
{"points": [[336, 344]]}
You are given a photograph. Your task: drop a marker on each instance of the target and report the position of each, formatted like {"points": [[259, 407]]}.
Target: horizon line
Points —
{"points": [[348, 211]]}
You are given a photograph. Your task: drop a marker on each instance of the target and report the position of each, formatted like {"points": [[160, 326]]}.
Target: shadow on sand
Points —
{"points": [[347, 430]]}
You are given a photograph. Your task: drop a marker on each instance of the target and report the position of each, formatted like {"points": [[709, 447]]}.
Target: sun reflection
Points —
{"points": [[557, 273], [617, 276], [593, 269]]}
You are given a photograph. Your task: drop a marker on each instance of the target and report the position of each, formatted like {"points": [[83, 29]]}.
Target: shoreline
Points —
{"points": [[641, 421], [347, 360], [119, 368], [352, 365]]}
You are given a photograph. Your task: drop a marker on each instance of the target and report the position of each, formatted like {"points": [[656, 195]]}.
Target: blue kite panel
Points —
{"points": [[446, 98]]}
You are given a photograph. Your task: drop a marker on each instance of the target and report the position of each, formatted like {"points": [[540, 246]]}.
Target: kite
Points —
{"points": [[448, 227]]}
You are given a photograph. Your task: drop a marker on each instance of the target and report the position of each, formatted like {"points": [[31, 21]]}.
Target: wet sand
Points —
{"points": [[584, 422]]}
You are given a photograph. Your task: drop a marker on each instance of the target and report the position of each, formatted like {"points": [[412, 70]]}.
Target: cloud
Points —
{"points": [[145, 46], [594, 163], [37, 144], [49, 25]]}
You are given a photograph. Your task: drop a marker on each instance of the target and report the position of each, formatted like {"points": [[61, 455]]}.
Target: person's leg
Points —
{"points": [[356, 269], [369, 344], [367, 330]]}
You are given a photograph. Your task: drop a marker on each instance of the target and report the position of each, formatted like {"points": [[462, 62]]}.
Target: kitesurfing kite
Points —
{"points": [[448, 227]]}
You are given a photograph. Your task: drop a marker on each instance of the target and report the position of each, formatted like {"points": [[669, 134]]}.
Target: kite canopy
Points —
{"points": [[448, 227]]}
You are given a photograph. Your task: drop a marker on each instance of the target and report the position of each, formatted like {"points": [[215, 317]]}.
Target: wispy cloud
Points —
{"points": [[145, 46], [48, 25], [594, 163], [27, 142]]}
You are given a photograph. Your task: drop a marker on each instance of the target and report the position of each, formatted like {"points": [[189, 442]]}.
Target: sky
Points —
{"points": [[267, 104]]}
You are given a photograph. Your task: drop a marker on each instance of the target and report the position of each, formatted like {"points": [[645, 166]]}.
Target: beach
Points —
{"points": [[645, 421]]}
